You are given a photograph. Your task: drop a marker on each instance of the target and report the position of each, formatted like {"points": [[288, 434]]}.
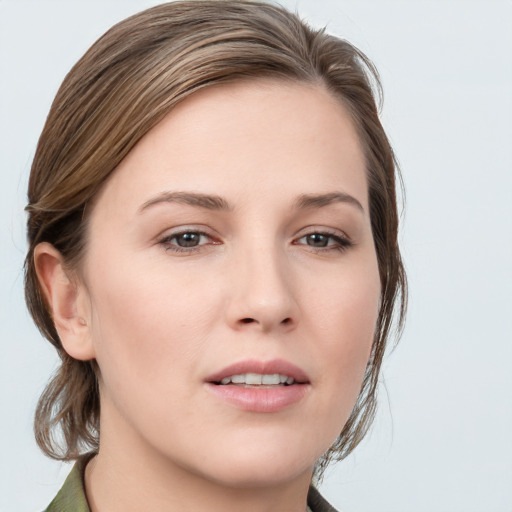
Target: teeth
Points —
{"points": [[257, 379], [253, 379], [271, 379]]}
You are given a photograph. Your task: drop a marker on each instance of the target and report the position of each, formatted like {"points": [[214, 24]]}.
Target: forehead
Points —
{"points": [[243, 140]]}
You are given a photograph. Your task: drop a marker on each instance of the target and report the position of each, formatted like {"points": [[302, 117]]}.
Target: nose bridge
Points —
{"points": [[262, 288]]}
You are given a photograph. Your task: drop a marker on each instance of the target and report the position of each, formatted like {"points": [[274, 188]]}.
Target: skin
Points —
{"points": [[259, 285]]}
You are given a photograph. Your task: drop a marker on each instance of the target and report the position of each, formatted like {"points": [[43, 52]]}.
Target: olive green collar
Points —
{"points": [[71, 497]]}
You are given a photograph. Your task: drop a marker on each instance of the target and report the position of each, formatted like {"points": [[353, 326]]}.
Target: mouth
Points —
{"points": [[259, 386], [257, 380], [276, 372]]}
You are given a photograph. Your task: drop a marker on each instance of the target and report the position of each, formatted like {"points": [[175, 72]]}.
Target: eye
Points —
{"points": [[190, 239], [324, 241], [186, 241], [317, 240]]}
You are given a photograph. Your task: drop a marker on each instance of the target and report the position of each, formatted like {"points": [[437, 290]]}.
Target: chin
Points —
{"points": [[258, 465], [251, 474]]}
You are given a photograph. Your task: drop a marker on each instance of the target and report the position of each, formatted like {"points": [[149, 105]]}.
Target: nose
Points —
{"points": [[262, 294]]}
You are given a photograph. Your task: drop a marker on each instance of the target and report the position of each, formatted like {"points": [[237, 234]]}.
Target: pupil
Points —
{"points": [[317, 240], [187, 239]]}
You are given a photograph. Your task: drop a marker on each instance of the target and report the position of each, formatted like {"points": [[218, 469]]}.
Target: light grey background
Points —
{"points": [[443, 437]]}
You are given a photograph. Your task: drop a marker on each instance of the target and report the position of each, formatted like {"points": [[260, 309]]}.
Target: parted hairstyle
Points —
{"points": [[123, 86]]}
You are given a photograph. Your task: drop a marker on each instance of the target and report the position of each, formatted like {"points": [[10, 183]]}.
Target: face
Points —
{"points": [[232, 284]]}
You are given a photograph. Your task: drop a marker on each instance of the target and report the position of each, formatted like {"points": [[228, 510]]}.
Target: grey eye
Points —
{"points": [[317, 240], [189, 239]]}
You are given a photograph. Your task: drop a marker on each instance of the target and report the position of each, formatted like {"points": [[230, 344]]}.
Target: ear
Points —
{"points": [[67, 300]]}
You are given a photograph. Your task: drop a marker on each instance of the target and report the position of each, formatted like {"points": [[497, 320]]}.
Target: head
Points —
{"points": [[149, 71]]}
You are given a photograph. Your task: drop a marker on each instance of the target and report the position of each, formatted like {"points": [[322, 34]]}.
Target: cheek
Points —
{"points": [[146, 321], [345, 306], [344, 315]]}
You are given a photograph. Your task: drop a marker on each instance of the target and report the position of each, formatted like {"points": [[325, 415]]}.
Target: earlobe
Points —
{"points": [[66, 300]]}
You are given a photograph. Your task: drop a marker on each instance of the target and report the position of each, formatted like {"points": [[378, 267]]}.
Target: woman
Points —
{"points": [[213, 252]]}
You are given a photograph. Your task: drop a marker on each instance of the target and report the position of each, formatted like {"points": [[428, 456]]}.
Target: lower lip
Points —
{"points": [[264, 399]]}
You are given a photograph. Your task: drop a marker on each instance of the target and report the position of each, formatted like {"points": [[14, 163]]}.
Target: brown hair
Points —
{"points": [[125, 84]]}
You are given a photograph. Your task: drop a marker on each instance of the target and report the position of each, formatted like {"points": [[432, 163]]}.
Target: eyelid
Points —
{"points": [[186, 228], [322, 230]]}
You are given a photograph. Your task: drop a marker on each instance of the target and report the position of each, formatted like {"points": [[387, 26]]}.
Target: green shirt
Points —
{"points": [[71, 497]]}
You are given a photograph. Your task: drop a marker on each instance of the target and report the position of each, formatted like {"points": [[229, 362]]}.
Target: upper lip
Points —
{"points": [[262, 367]]}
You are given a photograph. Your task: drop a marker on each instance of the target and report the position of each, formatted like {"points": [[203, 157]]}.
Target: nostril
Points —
{"points": [[249, 320]]}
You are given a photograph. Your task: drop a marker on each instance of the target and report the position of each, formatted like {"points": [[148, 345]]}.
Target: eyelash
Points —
{"points": [[340, 243]]}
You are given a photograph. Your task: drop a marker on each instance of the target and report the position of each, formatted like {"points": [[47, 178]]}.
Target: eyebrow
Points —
{"points": [[306, 201], [218, 203], [207, 201]]}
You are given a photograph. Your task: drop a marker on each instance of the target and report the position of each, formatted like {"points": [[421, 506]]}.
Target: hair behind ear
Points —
{"points": [[69, 408]]}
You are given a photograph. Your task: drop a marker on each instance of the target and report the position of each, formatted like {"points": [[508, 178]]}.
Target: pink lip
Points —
{"points": [[260, 399]]}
